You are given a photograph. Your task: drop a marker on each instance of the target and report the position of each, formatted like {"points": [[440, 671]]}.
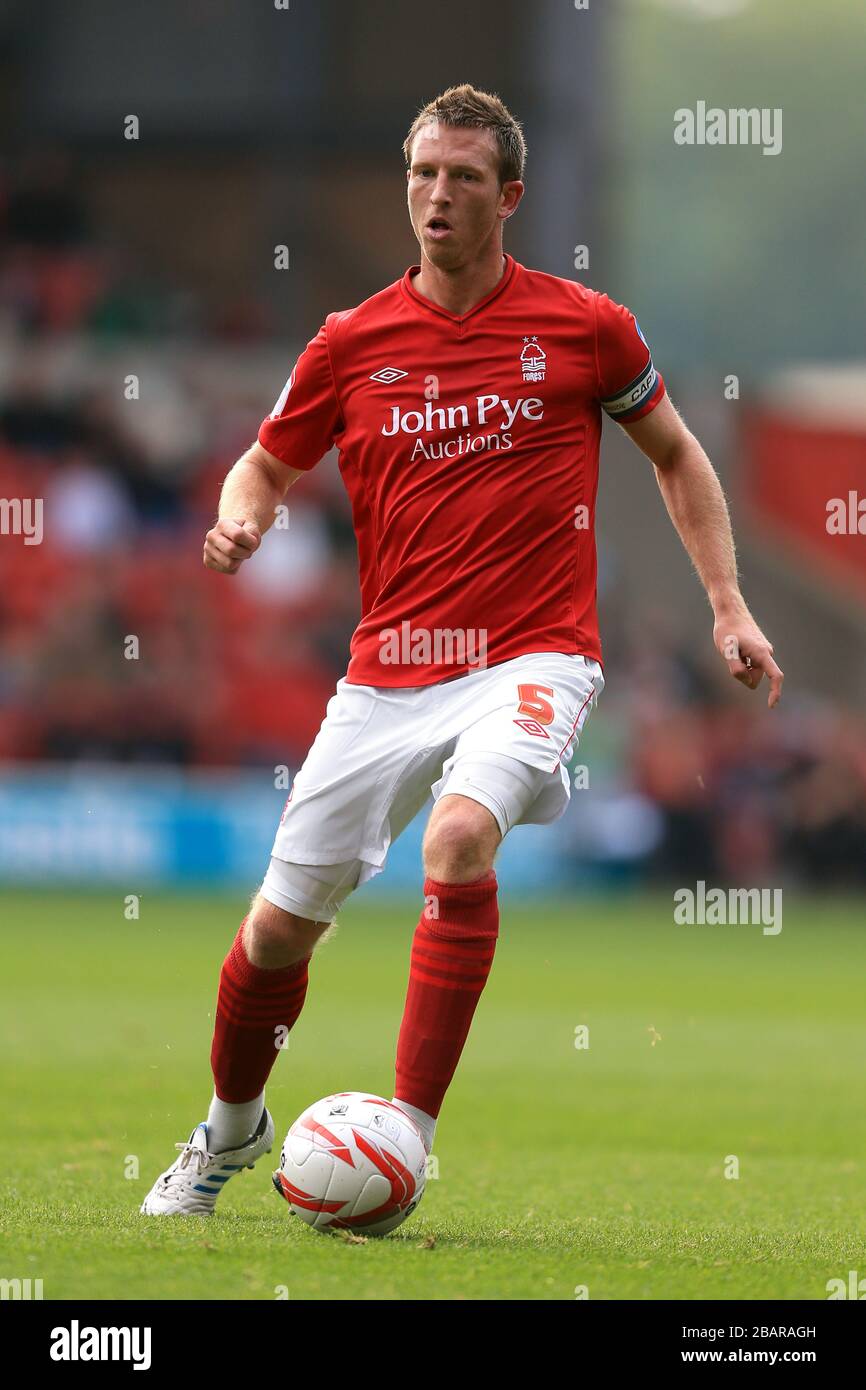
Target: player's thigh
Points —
{"points": [[367, 774], [528, 715], [333, 812]]}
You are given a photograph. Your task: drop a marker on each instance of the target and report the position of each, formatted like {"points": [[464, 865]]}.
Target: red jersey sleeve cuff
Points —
{"points": [[269, 438]]}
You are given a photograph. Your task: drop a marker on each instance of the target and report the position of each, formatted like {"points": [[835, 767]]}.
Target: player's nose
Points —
{"points": [[439, 192]]}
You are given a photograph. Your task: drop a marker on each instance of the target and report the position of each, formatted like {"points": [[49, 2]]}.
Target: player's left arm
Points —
{"points": [[696, 504]]}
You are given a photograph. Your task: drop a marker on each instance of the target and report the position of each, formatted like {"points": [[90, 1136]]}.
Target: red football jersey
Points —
{"points": [[469, 450]]}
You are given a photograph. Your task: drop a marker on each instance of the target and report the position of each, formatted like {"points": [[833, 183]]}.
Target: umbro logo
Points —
{"points": [[388, 374]]}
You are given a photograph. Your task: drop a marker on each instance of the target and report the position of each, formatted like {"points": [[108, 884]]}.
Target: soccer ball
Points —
{"points": [[353, 1162]]}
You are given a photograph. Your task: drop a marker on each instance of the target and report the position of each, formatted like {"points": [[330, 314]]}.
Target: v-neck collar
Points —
{"points": [[502, 284]]}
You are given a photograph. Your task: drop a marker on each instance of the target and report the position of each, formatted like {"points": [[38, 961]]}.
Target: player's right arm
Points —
{"points": [[298, 432], [251, 493]]}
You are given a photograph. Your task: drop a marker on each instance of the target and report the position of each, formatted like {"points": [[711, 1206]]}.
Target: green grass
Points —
{"points": [[557, 1167]]}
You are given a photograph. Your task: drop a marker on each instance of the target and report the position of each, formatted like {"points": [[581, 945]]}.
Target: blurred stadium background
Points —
{"points": [[154, 257]]}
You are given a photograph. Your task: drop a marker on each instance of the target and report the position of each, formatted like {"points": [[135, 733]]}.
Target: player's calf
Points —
{"points": [[262, 988], [274, 938]]}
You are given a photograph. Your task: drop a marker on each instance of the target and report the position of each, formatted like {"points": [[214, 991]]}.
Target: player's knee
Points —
{"points": [[274, 937], [460, 842]]}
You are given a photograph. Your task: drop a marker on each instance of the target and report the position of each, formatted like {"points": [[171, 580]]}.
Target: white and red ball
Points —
{"points": [[355, 1162]]}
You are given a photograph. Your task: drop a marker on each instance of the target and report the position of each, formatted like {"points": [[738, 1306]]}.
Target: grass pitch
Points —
{"points": [[559, 1168]]}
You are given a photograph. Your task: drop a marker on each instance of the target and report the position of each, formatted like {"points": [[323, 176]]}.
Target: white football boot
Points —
{"points": [[192, 1184]]}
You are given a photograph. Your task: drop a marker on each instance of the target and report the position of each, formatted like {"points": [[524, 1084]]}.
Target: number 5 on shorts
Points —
{"points": [[531, 702]]}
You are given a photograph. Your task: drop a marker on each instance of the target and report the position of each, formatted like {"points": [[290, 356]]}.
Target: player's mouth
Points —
{"points": [[438, 228]]}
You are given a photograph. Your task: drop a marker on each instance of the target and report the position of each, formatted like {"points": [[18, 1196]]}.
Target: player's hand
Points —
{"points": [[229, 543], [748, 652]]}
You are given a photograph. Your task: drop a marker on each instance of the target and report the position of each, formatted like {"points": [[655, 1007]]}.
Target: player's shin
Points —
{"points": [[452, 952], [256, 1011]]}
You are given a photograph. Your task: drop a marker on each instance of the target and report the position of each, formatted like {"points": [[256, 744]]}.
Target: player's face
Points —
{"points": [[456, 203]]}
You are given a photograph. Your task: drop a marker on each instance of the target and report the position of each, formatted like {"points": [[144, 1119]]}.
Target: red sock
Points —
{"points": [[451, 959], [251, 1004]]}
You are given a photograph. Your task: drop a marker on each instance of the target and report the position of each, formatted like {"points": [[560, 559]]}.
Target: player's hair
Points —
{"points": [[466, 106]]}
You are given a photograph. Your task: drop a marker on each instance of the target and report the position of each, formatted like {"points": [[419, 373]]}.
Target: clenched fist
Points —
{"points": [[229, 543]]}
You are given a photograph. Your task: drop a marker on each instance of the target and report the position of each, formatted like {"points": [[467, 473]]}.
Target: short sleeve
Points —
{"points": [[628, 384], [301, 427]]}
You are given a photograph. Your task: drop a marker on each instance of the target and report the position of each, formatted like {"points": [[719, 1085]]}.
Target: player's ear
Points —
{"points": [[510, 194]]}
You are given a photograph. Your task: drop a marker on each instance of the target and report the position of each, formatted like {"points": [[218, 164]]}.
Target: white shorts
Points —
{"points": [[500, 735]]}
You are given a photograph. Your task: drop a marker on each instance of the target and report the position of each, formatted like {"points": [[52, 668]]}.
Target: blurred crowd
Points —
{"points": [[116, 644], [224, 670], [59, 276]]}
